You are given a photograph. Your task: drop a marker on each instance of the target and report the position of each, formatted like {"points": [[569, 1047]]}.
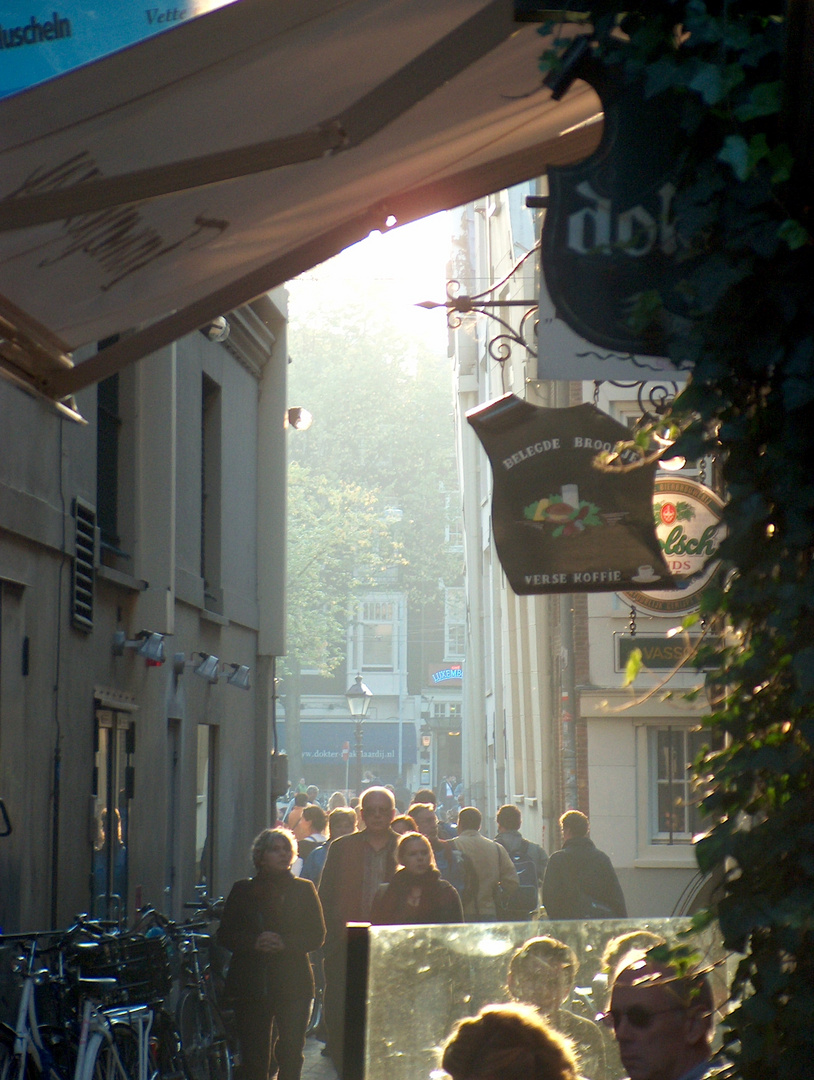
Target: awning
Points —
{"points": [[182, 177], [323, 740]]}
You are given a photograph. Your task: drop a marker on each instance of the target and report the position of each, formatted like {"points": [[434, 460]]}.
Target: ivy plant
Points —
{"points": [[743, 220]]}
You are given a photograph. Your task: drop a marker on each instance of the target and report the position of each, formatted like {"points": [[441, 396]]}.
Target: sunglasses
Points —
{"points": [[636, 1015]]}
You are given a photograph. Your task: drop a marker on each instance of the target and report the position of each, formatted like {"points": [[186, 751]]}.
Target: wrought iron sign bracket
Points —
{"points": [[458, 305]]}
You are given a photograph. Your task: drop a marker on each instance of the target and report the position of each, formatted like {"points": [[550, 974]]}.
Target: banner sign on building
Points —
{"points": [[561, 524], [609, 233], [44, 38], [688, 518], [662, 653]]}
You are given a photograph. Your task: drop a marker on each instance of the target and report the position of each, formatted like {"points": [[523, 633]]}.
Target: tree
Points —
{"points": [[368, 482], [383, 419]]}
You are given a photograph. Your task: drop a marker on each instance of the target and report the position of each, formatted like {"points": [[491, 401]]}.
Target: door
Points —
{"points": [[113, 790]]}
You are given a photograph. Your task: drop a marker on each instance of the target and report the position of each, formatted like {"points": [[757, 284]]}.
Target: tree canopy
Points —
{"points": [[369, 482]]}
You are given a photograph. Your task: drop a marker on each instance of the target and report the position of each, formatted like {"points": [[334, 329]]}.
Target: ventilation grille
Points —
{"points": [[83, 562]]}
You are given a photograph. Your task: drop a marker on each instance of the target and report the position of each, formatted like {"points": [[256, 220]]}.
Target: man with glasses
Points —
{"points": [[354, 868], [663, 1021]]}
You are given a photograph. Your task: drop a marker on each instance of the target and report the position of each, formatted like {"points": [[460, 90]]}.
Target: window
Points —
{"points": [[205, 805], [675, 816], [108, 425], [116, 465], [454, 623], [211, 494], [377, 635]]}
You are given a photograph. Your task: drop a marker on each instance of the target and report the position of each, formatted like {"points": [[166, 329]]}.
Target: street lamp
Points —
{"points": [[358, 697], [426, 743]]}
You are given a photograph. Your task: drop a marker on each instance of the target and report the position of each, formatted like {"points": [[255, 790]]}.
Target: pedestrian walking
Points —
{"points": [[270, 923], [355, 867], [417, 893], [487, 866], [580, 882]]}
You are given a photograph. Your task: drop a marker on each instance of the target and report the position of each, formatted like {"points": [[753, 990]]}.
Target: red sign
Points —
{"points": [[345, 751]]}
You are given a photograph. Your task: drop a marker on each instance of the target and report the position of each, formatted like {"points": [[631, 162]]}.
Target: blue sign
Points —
{"points": [[43, 38]]}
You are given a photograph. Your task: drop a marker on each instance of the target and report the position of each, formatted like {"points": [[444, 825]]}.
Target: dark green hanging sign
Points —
{"points": [[560, 524], [609, 233]]}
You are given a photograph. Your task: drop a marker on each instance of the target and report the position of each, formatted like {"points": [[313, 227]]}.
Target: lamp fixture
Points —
{"points": [[239, 676], [148, 644], [217, 330], [208, 667], [358, 698], [298, 418]]}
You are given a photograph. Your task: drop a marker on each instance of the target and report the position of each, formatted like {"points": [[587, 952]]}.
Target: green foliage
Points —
{"points": [[743, 225], [336, 541], [382, 440]]}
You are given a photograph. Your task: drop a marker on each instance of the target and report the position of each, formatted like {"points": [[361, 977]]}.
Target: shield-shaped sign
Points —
{"points": [[609, 240], [560, 523]]}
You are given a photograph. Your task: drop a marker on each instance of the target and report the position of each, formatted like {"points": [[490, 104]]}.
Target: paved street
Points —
{"points": [[317, 1067]]}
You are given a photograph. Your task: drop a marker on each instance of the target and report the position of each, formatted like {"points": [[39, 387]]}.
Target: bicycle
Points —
{"points": [[102, 1043], [205, 1051]]}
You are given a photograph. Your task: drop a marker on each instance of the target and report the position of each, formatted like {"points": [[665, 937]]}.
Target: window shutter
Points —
{"points": [[83, 566]]}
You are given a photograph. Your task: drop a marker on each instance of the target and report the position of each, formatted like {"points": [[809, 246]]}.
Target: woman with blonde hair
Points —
{"points": [[270, 923], [417, 893], [507, 1042]]}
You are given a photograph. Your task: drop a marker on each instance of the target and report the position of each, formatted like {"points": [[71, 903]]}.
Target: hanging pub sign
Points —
{"points": [[560, 524], [562, 354], [609, 232], [688, 518]]}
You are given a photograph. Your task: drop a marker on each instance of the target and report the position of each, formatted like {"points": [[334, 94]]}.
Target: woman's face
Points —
{"points": [[415, 857], [275, 857]]}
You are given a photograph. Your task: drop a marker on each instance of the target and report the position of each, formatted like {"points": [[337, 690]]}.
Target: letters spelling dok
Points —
{"points": [[579, 443]]}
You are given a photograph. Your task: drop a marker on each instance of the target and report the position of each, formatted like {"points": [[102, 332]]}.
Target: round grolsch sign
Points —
{"points": [[688, 518]]}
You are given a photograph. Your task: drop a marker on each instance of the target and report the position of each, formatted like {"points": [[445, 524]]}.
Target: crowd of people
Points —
{"points": [[322, 868]]}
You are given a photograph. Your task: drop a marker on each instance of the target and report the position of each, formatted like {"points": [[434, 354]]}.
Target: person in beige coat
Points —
{"points": [[488, 866]]}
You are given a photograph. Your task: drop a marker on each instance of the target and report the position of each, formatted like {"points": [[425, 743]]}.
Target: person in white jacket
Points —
{"points": [[488, 866]]}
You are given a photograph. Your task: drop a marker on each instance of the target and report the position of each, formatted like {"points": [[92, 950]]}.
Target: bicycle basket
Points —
{"points": [[139, 965]]}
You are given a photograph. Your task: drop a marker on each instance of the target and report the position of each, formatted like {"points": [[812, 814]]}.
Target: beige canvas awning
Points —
{"points": [[182, 177]]}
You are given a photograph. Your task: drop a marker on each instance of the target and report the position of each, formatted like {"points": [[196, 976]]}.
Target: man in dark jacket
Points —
{"points": [[354, 868], [580, 882]]}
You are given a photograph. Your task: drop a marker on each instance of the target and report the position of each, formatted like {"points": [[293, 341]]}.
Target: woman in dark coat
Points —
{"points": [[417, 893], [270, 923]]}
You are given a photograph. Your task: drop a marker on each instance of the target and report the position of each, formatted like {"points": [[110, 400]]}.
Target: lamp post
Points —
{"points": [[426, 743], [358, 697]]}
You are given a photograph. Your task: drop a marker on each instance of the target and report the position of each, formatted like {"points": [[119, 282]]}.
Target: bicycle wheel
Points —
{"points": [[203, 1040], [9, 1065], [119, 1059]]}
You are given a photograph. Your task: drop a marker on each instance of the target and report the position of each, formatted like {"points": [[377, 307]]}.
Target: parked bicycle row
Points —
{"points": [[95, 1002]]}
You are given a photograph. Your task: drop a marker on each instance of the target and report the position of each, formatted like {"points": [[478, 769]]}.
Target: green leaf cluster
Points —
{"points": [[743, 219]]}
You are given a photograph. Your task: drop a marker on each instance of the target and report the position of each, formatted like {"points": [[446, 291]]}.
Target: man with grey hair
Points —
{"points": [[354, 868]]}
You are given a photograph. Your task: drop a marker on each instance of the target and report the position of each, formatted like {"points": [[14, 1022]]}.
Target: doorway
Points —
{"points": [[114, 745]]}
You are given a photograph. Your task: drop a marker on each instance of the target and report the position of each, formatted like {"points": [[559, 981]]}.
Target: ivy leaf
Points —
{"points": [[632, 667], [794, 234], [741, 155], [764, 100], [803, 666], [709, 83]]}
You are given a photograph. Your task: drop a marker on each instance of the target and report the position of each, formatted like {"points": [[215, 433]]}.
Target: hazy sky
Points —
{"points": [[395, 270]]}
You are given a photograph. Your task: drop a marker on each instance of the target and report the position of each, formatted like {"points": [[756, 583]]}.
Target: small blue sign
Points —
{"points": [[40, 39]]}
